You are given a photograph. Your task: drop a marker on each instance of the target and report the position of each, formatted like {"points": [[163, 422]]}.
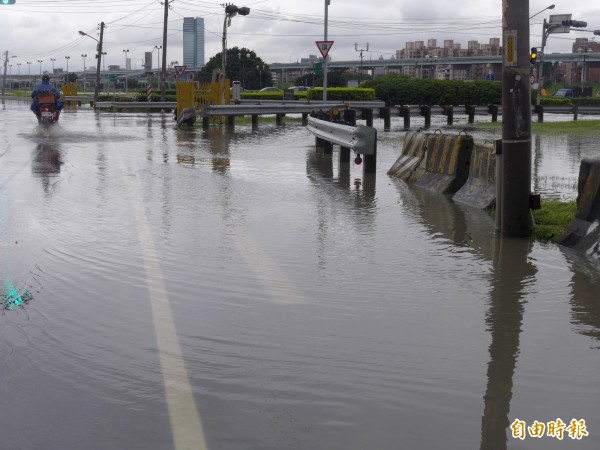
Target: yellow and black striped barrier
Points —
{"points": [[583, 234], [446, 163], [480, 189], [413, 151]]}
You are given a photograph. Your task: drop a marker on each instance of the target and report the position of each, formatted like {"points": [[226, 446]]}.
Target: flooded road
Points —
{"points": [[238, 290]]}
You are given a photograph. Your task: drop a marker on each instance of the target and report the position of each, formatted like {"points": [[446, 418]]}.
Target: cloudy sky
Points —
{"points": [[277, 30]]}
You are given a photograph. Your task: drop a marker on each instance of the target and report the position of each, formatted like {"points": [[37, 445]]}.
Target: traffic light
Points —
{"points": [[8, 2], [533, 55], [574, 23]]}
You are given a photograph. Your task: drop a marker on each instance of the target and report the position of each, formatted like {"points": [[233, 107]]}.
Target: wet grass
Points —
{"points": [[552, 219]]}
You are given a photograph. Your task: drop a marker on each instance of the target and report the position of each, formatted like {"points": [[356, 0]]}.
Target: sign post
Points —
{"points": [[327, 51]]}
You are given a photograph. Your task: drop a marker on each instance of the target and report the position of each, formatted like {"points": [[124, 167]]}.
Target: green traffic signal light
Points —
{"points": [[8, 2], [533, 55]]}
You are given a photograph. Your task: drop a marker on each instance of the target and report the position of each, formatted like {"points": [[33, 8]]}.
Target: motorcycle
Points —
{"points": [[47, 107]]}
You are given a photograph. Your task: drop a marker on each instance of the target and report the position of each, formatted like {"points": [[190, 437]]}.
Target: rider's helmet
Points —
{"points": [[45, 77]]}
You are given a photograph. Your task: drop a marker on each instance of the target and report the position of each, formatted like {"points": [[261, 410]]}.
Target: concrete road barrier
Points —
{"points": [[480, 189], [413, 152], [446, 165], [583, 234]]}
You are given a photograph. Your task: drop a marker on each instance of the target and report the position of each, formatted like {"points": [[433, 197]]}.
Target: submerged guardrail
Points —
{"points": [[328, 130]]}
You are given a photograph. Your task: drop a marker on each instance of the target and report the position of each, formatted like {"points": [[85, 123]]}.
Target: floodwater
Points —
{"points": [[238, 290]]}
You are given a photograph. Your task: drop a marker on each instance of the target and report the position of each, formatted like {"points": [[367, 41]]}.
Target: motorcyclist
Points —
{"points": [[45, 86]]}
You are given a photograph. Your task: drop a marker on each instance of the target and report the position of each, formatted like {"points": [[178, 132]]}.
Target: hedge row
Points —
{"points": [[401, 90]]}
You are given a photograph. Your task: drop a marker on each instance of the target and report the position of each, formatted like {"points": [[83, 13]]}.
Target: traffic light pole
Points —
{"points": [[515, 182]]}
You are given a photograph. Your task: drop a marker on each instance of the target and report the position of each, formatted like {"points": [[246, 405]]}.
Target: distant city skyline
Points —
{"points": [[193, 42]]}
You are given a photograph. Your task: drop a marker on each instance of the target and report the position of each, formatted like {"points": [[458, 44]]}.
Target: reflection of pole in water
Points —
{"points": [[585, 301], [512, 271]]}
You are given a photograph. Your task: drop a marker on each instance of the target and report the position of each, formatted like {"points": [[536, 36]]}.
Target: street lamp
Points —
{"points": [[158, 47], [583, 51], [84, 56], [230, 12], [68, 79], [98, 57], [259, 68], [52, 59], [547, 7], [244, 67], [6, 58], [126, 51], [40, 61]]}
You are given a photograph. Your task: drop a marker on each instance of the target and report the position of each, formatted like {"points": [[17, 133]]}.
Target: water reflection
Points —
{"points": [[512, 271], [585, 298], [320, 167], [220, 138], [46, 162]]}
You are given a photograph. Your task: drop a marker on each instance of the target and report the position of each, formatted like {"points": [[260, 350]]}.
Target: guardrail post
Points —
{"points": [[493, 110], [384, 113], [322, 144], [367, 115], [254, 121], [350, 118], [539, 109], [230, 121], [575, 110], [205, 123], [404, 112], [304, 118], [449, 111], [371, 160], [470, 110], [279, 119], [426, 112]]}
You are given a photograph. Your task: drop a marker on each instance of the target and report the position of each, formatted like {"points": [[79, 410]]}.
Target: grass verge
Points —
{"points": [[552, 219]]}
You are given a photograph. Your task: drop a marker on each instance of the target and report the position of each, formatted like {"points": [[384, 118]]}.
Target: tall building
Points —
{"points": [[193, 42]]}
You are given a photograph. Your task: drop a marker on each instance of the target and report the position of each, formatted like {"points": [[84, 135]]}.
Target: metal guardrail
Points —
{"points": [[361, 139], [136, 105], [250, 107]]}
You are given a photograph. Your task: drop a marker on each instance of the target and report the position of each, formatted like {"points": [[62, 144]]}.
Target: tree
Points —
{"points": [[334, 79], [242, 65], [72, 77]]}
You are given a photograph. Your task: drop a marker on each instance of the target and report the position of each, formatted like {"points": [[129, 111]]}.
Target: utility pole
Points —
{"points": [[4, 77], [99, 56], [163, 74], [361, 57], [516, 121]]}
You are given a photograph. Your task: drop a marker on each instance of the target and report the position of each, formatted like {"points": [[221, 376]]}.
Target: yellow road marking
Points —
{"points": [[186, 426]]}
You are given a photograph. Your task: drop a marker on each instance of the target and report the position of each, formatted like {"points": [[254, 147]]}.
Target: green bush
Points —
{"points": [[396, 89], [342, 94], [261, 95]]}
